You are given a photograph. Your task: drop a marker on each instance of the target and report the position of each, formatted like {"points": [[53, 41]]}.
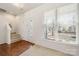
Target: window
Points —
{"points": [[60, 24], [67, 27], [50, 25]]}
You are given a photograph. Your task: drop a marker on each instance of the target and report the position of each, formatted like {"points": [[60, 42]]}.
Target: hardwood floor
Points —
{"points": [[14, 49], [4, 49]]}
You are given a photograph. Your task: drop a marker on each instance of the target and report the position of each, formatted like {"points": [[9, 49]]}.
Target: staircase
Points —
{"points": [[15, 37]]}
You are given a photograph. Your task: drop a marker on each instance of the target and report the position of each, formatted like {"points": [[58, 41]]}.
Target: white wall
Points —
{"points": [[13, 21], [37, 16], [4, 20]]}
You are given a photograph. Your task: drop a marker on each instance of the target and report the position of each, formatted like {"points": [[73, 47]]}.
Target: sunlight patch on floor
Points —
{"points": [[41, 51]]}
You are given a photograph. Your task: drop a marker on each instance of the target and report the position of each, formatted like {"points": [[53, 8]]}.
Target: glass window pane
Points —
{"points": [[67, 27]]}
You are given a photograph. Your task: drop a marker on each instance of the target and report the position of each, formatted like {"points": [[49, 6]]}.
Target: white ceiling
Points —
{"points": [[10, 8]]}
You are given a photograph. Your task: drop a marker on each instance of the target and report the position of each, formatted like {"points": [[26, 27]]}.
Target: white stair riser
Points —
{"points": [[15, 37]]}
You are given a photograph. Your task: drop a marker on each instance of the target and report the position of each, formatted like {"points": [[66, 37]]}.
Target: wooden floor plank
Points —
{"points": [[14, 49]]}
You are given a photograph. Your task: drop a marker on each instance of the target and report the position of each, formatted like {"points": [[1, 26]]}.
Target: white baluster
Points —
{"points": [[8, 29]]}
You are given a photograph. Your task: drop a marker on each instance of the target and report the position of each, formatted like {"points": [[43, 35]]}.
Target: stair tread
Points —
{"points": [[15, 37]]}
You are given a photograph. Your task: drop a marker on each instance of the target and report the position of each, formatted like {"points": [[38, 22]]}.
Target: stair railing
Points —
{"points": [[8, 32]]}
